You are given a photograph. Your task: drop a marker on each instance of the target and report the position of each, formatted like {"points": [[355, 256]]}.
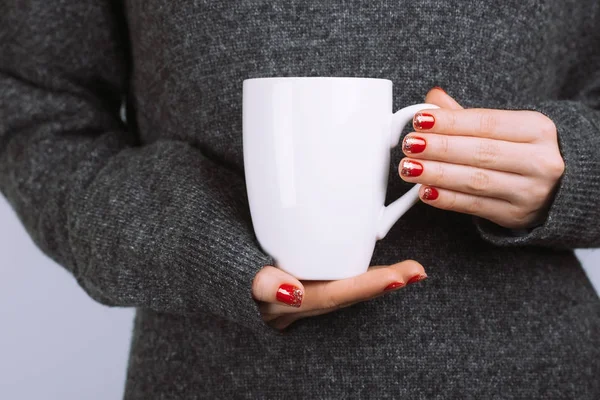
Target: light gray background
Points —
{"points": [[58, 344]]}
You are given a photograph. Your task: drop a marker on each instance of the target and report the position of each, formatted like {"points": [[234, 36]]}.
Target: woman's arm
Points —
{"points": [[565, 206], [529, 177], [573, 217], [156, 226]]}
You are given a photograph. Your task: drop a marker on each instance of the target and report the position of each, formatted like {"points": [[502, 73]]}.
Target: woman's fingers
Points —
{"points": [[501, 165], [336, 294], [485, 153], [283, 299], [325, 296], [498, 211], [463, 178], [512, 126], [440, 98], [281, 319], [272, 285]]}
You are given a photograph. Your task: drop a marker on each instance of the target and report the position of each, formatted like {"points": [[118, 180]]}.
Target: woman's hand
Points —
{"points": [[283, 299], [496, 164]]}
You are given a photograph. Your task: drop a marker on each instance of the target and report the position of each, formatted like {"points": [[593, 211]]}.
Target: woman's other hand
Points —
{"points": [[283, 299], [496, 164]]}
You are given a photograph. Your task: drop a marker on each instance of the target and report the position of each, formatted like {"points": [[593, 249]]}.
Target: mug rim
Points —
{"points": [[305, 78]]}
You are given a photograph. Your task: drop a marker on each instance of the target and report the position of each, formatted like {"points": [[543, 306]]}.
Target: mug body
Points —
{"points": [[316, 160]]}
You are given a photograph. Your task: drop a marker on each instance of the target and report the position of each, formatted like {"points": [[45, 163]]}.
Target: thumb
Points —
{"points": [[272, 285], [441, 99]]}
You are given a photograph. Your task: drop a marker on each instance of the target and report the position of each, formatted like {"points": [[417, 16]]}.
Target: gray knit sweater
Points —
{"points": [[152, 212]]}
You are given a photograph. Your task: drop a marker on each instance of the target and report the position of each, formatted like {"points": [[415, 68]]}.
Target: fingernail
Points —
{"points": [[411, 168], [423, 121], [416, 278], [413, 144], [439, 88], [290, 295], [430, 193], [393, 285]]}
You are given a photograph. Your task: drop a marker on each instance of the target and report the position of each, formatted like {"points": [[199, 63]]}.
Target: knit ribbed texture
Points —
{"points": [[152, 213]]}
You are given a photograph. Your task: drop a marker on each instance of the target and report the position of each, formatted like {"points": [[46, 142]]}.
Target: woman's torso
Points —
{"points": [[490, 321]]}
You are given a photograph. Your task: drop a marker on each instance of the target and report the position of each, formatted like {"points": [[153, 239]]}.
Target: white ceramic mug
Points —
{"points": [[316, 159]]}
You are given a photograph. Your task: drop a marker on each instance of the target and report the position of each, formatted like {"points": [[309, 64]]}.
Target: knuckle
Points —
{"points": [[394, 275], [487, 123], [332, 301], [324, 297], [329, 301], [546, 126], [451, 202], [535, 165], [519, 216], [474, 205], [522, 192], [444, 145], [537, 196], [545, 166], [438, 175], [556, 167], [451, 121], [336, 298], [478, 182], [486, 153]]}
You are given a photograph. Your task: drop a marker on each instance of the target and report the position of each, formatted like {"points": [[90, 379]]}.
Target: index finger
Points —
{"points": [[512, 126]]}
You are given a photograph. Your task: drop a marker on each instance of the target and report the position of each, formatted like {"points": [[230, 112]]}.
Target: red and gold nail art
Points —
{"points": [[411, 168], [393, 285], [416, 278], [430, 193], [290, 295], [423, 121], [413, 144]]}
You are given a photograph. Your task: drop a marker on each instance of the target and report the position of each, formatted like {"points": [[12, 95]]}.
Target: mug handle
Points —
{"points": [[391, 214]]}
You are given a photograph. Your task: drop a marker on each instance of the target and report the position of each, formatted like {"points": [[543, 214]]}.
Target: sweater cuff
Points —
{"points": [[573, 213]]}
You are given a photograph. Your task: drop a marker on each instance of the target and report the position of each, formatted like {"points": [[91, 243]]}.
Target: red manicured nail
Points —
{"points": [[423, 121], [411, 168], [416, 278], [290, 295], [393, 285], [439, 88], [430, 193], [413, 144]]}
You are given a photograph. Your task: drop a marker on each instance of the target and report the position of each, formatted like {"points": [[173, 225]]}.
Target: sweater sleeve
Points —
{"points": [[156, 226], [573, 219]]}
